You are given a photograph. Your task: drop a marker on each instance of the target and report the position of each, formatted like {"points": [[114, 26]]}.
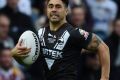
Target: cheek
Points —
{"points": [[62, 13], [6, 29], [47, 12], [7, 60], [81, 16]]}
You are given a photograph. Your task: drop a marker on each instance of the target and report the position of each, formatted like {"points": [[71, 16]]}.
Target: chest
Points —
{"points": [[55, 40], [53, 43]]}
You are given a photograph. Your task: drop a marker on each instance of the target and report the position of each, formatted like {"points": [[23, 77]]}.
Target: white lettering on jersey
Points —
{"points": [[52, 55]]}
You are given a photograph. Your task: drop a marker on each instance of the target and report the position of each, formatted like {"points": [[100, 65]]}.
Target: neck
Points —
{"points": [[56, 26]]}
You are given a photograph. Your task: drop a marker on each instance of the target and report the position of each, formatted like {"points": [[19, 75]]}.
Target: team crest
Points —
{"points": [[84, 33]]}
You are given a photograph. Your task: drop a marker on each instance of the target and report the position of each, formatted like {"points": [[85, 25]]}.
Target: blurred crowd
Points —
{"points": [[99, 16]]}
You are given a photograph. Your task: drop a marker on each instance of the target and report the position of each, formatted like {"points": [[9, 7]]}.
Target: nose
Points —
{"points": [[54, 9]]}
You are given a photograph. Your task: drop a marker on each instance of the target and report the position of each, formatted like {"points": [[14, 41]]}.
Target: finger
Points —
{"points": [[22, 48], [20, 42], [24, 52]]}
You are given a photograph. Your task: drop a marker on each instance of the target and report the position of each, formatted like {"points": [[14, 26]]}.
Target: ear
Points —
{"points": [[67, 11]]}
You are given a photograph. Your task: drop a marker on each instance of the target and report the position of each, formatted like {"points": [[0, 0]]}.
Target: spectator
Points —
{"points": [[104, 13], [4, 29], [114, 44], [89, 64], [2, 3], [4, 37], [7, 70], [75, 2], [40, 5], [79, 17], [19, 21], [40, 22], [25, 7], [118, 4]]}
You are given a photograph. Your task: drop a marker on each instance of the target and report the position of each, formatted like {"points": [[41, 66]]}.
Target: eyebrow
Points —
{"points": [[50, 4], [54, 4]]}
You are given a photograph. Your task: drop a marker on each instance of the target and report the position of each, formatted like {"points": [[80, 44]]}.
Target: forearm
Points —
{"points": [[19, 59], [102, 49], [103, 52]]}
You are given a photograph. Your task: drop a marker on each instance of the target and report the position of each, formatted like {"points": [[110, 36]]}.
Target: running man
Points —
{"points": [[61, 45]]}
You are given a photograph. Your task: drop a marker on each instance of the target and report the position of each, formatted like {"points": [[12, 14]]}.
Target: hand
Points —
{"points": [[20, 50]]}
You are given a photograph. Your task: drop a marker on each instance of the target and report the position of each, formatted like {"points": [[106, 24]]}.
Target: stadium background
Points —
{"points": [[99, 16]]}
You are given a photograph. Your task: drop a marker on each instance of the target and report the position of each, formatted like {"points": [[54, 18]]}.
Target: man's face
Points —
{"points": [[5, 59], [56, 11], [4, 26], [78, 16], [117, 27]]}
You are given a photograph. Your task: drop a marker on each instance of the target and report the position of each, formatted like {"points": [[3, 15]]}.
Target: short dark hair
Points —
{"points": [[66, 2], [3, 47], [78, 6]]}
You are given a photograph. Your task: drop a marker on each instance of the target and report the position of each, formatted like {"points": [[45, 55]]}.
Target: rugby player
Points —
{"points": [[61, 45]]}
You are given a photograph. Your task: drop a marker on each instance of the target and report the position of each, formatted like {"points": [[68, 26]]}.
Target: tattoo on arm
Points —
{"points": [[94, 44]]}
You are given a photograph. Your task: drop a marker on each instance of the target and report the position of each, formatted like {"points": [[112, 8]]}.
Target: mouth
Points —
{"points": [[54, 15]]}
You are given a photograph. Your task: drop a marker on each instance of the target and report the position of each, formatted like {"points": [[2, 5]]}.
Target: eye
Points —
{"points": [[50, 6], [58, 6]]}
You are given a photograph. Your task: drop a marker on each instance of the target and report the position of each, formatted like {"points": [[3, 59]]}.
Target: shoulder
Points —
{"points": [[80, 33]]}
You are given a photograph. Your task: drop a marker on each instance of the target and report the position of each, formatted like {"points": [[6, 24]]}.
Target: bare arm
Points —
{"points": [[19, 52], [97, 45]]}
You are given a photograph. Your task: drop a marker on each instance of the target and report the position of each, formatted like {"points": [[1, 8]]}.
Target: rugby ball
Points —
{"points": [[30, 40]]}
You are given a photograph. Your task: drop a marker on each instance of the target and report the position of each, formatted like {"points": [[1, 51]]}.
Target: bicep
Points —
{"points": [[95, 42]]}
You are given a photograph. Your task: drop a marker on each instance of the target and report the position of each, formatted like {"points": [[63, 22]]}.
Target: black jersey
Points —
{"points": [[62, 49]]}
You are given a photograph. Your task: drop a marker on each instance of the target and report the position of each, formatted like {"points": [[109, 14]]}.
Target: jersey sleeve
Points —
{"points": [[82, 37]]}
